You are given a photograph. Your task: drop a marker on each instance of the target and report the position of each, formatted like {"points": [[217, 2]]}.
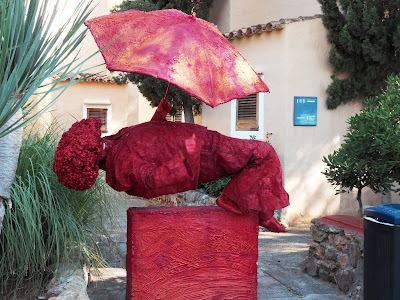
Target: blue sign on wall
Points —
{"points": [[305, 111]]}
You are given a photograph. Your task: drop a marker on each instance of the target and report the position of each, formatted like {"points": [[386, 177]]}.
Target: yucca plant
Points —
{"points": [[31, 51], [48, 223]]}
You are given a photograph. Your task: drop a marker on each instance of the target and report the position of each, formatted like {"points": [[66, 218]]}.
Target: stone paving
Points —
{"points": [[280, 275]]}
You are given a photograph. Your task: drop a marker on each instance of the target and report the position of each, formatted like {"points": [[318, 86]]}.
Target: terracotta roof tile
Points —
{"points": [[95, 77], [267, 27]]}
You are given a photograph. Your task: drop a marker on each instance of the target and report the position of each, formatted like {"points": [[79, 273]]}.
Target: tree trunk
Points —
{"points": [[188, 111], [359, 202], [387, 197], [9, 152]]}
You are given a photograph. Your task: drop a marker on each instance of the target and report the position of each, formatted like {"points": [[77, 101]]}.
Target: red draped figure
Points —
{"points": [[160, 157]]}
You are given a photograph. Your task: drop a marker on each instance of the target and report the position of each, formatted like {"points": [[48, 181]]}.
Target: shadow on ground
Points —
{"points": [[109, 285]]}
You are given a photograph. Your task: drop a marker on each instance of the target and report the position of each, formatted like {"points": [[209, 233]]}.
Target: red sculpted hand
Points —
{"points": [[190, 147], [162, 110], [166, 105]]}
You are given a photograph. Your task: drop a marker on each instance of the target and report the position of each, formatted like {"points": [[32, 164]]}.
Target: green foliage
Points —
{"points": [[138, 5], [216, 187], [202, 7], [370, 153], [48, 223], [365, 37], [152, 88], [32, 50]]}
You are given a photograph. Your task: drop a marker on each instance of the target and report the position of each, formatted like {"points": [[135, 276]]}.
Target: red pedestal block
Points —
{"points": [[190, 253]]}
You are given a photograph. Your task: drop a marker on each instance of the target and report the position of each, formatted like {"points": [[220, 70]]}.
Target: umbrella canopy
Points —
{"points": [[181, 49]]}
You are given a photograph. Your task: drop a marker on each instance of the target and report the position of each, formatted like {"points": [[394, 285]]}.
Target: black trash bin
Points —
{"points": [[382, 252]]}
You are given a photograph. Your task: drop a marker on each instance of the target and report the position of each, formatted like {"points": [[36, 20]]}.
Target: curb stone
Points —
{"points": [[68, 284]]}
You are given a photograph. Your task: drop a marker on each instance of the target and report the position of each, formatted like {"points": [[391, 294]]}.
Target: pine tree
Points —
{"points": [[152, 88], [365, 38]]}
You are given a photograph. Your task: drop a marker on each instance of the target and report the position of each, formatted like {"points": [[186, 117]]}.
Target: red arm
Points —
{"points": [[162, 110]]}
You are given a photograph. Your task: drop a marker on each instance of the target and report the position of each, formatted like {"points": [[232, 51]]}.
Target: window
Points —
{"points": [[247, 113], [100, 108], [247, 117], [100, 113]]}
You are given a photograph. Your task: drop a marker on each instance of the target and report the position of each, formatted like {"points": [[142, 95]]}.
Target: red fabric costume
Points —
{"points": [[144, 160], [160, 157]]}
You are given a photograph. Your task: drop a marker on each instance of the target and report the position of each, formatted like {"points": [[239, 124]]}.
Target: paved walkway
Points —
{"points": [[279, 266]]}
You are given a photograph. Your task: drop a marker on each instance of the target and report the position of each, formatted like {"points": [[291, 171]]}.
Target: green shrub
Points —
{"points": [[48, 223], [370, 152], [216, 187]]}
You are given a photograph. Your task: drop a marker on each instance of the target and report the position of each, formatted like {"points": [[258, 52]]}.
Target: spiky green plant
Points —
{"points": [[32, 50], [48, 224]]}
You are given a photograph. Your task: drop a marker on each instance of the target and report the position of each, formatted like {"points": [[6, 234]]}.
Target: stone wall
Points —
{"points": [[68, 283], [189, 198], [336, 256]]}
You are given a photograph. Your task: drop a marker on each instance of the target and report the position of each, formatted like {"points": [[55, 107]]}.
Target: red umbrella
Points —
{"points": [[181, 49]]}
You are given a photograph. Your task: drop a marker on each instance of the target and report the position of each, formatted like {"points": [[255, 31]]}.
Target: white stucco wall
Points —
{"points": [[233, 14], [294, 62], [118, 98]]}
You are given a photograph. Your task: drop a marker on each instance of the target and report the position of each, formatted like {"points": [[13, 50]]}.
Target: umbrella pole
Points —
{"points": [[166, 93], [163, 108]]}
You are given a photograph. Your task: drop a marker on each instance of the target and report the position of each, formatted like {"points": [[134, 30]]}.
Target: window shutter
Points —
{"points": [[247, 113], [100, 113]]}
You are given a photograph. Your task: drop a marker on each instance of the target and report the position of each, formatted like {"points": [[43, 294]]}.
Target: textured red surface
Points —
{"points": [[77, 156], [348, 223], [143, 160], [153, 158], [186, 51], [191, 253]]}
